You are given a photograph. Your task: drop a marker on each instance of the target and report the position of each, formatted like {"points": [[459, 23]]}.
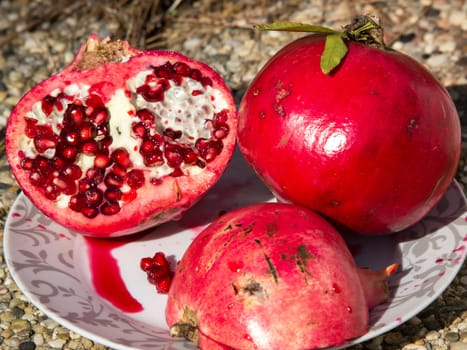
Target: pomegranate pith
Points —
{"points": [[271, 276], [373, 145], [121, 139]]}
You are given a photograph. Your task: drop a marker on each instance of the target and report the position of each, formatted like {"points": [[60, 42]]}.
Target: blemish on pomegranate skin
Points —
{"points": [[335, 288], [256, 92], [230, 306], [105, 274], [235, 266], [349, 309]]}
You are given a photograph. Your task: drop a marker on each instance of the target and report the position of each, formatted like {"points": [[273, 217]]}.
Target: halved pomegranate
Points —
{"points": [[121, 139]]}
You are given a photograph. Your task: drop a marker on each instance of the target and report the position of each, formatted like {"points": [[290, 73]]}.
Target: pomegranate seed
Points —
{"points": [[51, 192], [148, 146], [146, 117], [112, 179], [87, 131], [95, 175], [181, 68], [70, 137], [196, 93], [139, 129], [102, 130], [135, 178], [68, 153], [37, 179], [190, 157], [155, 181], [47, 104], [99, 116], [84, 185], [164, 71], [94, 101], [221, 117], [163, 284], [121, 157], [151, 95], [105, 143], [76, 203], [153, 159], [205, 81], [70, 187], [110, 208], [93, 197], [102, 161], [89, 147], [172, 134], [113, 194], [31, 127], [221, 130], [89, 212], [195, 74], [73, 171], [27, 163], [146, 264], [118, 170], [75, 113], [43, 143], [174, 157], [129, 196]]}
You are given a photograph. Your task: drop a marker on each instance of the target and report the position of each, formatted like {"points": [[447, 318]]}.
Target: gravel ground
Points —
{"points": [[219, 33]]}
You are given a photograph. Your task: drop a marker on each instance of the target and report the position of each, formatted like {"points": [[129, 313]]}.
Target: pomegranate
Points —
{"points": [[361, 133], [271, 276], [121, 139]]}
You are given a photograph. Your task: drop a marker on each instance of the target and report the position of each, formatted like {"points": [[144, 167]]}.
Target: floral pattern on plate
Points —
{"points": [[51, 266]]}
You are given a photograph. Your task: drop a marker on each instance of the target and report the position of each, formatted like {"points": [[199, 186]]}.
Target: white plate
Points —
{"points": [[51, 264]]}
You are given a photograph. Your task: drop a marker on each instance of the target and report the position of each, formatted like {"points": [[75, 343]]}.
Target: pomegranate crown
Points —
{"points": [[363, 28]]}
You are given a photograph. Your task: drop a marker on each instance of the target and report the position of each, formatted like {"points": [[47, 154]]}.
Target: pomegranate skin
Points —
{"points": [[271, 276], [106, 73], [373, 146]]}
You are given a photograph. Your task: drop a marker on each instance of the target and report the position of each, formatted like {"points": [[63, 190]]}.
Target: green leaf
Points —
{"points": [[296, 27], [335, 50]]}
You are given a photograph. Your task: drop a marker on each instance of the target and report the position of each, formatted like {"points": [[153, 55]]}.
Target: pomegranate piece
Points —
{"points": [[372, 145], [112, 144], [271, 276]]}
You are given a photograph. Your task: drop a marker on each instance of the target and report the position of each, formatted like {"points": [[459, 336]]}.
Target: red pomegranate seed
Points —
{"points": [[93, 197], [69, 152], [129, 196], [43, 143], [110, 208], [172, 134], [150, 94], [75, 114], [89, 147], [102, 130], [173, 156], [149, 145], [102, 161], [181, 68], [94, 101], [118, 170], [221, 130], [121, 157], [135, 178], [190, 157], [73, 171], [113, 194], [163, 284], [146, 264], [89, 212], [87, 131], [206, 81], [139, 129], [196, 93], [221, 117], [99, 116], [153, 159], [164, 71], [47, 104], [31, 127], [51, 192], [70, 137], [146, 117], [76, 203], [113, 180], [195, 74], [27, 163], [105, 143]]}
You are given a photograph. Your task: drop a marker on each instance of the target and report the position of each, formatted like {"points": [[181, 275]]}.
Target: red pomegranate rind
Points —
{"points": [[139, 192], [373, 146], [262, 273]]}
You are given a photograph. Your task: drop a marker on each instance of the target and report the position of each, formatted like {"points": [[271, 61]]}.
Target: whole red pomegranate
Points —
{"points": [[362, 134], [271, 276], [121, 139]]}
